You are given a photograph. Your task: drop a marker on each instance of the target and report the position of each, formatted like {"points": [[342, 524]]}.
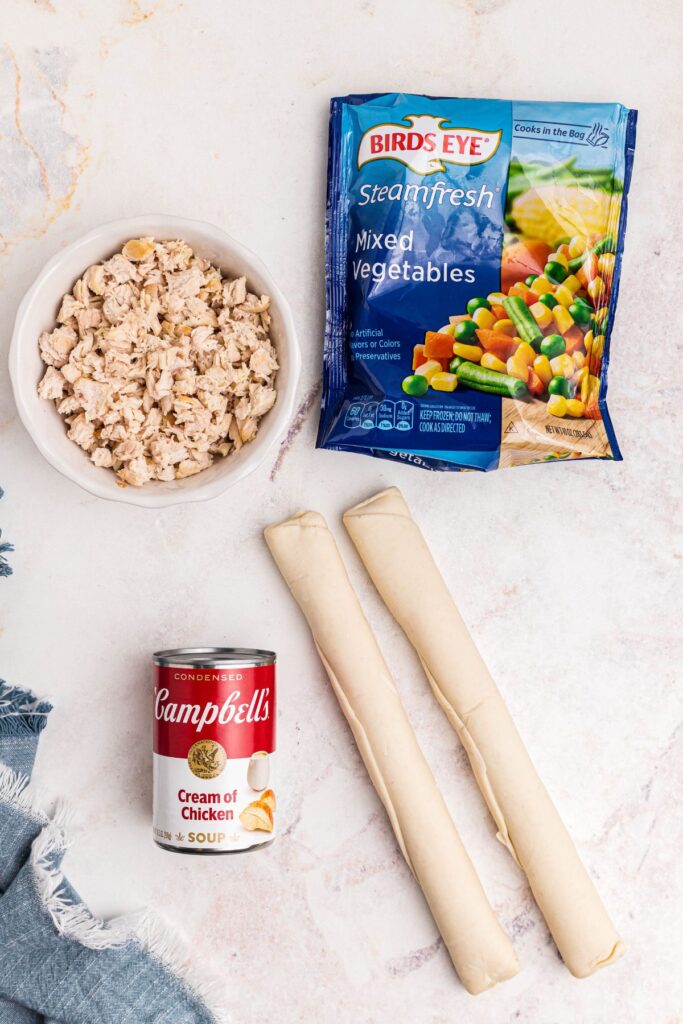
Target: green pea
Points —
{"points": [[555, 272], [553, 345], [530, 279], [478, 303], [548, 299], [560, 386], [580, 311], [415, 384], [464, 331]]}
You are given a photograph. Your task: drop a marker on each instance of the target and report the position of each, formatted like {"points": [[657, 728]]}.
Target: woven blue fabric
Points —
{"points": [[58, 963], [22, 719]]}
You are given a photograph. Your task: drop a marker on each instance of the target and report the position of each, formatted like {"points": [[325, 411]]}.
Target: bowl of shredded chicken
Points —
{"points": [[168, 364]]}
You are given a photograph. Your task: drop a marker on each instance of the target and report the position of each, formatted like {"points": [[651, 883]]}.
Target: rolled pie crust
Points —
{"points": [[401, 566], [307, 556]]}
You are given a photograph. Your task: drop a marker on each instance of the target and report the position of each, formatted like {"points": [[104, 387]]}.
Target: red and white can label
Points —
{"points": [[214, 753]]}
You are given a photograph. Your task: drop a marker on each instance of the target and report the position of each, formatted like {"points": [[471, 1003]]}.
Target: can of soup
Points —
{"points": [[214, 749]]}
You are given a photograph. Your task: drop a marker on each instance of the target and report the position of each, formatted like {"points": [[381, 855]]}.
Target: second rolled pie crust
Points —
{"points": [[401, 566]]}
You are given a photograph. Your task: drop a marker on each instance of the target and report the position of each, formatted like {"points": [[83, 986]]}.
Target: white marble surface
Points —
{"points": [[120, 108]]}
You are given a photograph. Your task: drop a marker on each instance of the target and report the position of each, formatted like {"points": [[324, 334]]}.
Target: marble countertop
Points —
{"points": [[123, 108]]}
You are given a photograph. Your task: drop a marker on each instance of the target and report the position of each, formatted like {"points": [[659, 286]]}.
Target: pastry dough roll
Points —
{"points": [[307, 556], [402, 568]]}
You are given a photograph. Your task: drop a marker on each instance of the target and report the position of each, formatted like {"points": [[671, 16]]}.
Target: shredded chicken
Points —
{"points": [[158, 364]]}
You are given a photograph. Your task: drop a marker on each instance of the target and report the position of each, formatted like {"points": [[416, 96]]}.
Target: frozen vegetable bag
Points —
{"points": [[473, 258]]}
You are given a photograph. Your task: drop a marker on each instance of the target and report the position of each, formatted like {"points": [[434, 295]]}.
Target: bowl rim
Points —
{"points": [[282, 411]]}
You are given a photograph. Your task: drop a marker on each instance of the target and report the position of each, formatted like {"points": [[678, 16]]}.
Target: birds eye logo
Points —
{"points": [[425, 144]]}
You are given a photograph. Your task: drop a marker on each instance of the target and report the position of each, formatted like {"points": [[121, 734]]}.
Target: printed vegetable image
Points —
{"points": [[540, 338], [521, 258], [562, 200]]}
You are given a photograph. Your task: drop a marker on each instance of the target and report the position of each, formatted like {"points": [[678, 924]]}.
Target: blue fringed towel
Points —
{"points": [[58, 963]]}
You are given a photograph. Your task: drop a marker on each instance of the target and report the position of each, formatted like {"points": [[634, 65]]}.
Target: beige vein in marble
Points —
{"points": [[40, 159]]}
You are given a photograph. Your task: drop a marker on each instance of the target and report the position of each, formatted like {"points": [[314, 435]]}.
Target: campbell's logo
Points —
{"points": [[221, 711], [256, 709], [426, 144]]}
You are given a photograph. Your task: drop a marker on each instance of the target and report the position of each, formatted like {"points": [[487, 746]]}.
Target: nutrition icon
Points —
{"points": [[386, 415]]}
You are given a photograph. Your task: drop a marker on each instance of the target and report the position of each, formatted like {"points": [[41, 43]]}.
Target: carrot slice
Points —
{"points": [[534, 383], [500, 345], [573, 339], [438, 346], [419, 356]]}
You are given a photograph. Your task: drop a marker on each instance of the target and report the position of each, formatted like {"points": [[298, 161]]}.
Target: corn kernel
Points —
{"points": [[558, 257], [563, 366], [541, 285], [563, 295], [588, 342], [504, 327], [563, 318], [518, 368], [572, 283], [575, 408], [596, 288], [601, 315], [557, 405], [492, 362], [598, 346], [429, 368], [606, 264], [590, 387], [525, 352], [541, 314], [496, 298], [448, 329], [579, 360], [470, 352], [542, 369], [577, 244], [444, 381], [484, 318]]}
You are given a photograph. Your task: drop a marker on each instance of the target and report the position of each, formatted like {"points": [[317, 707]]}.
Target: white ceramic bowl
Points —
{"points": [[38, 312]]}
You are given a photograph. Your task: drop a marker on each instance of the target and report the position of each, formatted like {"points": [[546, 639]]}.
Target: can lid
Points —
{"points": [[213, 657]]}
